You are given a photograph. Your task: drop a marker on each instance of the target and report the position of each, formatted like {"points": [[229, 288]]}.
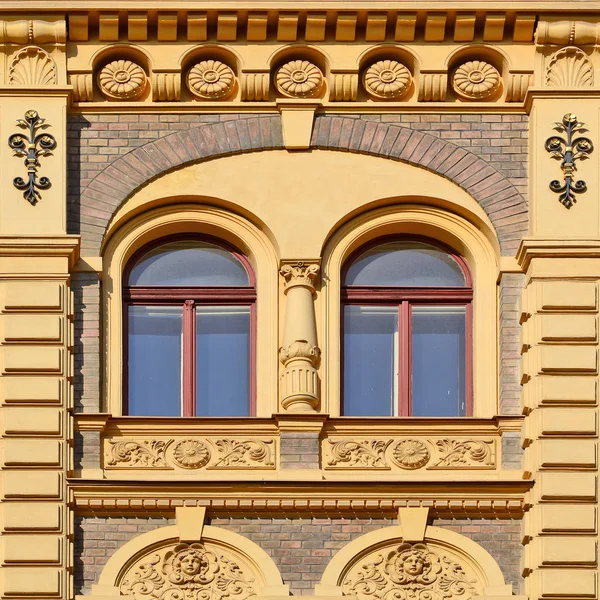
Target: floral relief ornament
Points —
{"points": [[476, 80], [122, 80], [409, 572], [211, 79], [387, 79], [191, 454], [299, 79], [188, 572], [411, 454]]}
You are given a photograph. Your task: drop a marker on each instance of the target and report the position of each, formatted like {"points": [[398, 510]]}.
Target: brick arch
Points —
{"points": [[502, 202]]}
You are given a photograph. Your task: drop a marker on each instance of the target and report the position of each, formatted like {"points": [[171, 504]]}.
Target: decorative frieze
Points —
{"points": [[166, 87], [410, 453], [212, 453]]}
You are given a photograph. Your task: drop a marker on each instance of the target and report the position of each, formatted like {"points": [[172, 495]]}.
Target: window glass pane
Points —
{"points": [[406, 264], [189, 263], [370, 360], [222, 361], [438, 361], [154, 351]]}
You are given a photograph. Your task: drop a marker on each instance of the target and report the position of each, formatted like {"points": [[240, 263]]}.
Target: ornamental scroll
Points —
{"points": [[411, 572], [197, 571]]}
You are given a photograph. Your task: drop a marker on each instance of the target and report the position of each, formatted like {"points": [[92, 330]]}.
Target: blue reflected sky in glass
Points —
{"points": [[438, 361], [189, 263], [154, 348], [405, 264], [223, 361], [370, 360]]}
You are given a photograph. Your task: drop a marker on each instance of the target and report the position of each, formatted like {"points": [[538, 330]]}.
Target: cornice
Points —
{"points": [[531, 248], [54, 6], [42, 246], [474, 499]]}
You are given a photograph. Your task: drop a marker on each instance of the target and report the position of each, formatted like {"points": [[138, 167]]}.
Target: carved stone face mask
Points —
{"points": [[413, 564], [190, 564]]}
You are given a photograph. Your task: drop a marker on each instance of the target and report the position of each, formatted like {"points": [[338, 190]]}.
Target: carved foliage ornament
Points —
{"points": [[299, 79], [387, 80], [409, 572], [568, 149], [476, 80], [122, 80], [31, 148], [191, 454], [211, 80], [410, 454], [32, 66], [299, 273], [189, 572]]}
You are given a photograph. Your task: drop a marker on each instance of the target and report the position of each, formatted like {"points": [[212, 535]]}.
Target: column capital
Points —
{"points": [[300, 273]]}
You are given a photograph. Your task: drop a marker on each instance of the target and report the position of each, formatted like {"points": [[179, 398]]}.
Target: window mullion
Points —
{"points": [[189, 358], [404, 401]]}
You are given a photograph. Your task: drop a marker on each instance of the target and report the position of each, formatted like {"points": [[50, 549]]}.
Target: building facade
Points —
{"points": [[299, 298]]}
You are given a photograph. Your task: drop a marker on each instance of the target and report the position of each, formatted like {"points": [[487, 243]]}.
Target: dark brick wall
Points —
{"points": [[301, 548]]}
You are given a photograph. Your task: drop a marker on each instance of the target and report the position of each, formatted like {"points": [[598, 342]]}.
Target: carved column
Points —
{"points": [[299, 352]]}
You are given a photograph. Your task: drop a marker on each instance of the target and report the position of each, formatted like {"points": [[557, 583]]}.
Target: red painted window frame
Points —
{"points": [[405, 298], [189, 297]]}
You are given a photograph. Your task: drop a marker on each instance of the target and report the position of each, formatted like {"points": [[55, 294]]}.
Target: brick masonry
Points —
{"points": [[301, 548], [106, 166]]}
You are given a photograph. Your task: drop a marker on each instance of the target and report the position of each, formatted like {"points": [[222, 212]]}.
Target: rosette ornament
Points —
{"points": [[211, 80], [411, 454], [387, 80], [191, 454], [122, 80], [299, 79], [476, 80]]}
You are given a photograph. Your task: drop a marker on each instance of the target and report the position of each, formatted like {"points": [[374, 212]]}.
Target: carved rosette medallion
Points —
{"points": [[211, 80], [299, 79], [476, 80], [387, 80], [411, 454], [189, 572], [410, 572], [191, 454], [122, 80]]}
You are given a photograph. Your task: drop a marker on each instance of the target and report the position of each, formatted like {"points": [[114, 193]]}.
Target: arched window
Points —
{"points": [[189, 330], [406, 319]]}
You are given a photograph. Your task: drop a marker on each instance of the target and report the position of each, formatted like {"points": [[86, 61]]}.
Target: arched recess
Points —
{"points": [[186, 218], [437, 565], [498, 197], [464, 235], [206, 561]]}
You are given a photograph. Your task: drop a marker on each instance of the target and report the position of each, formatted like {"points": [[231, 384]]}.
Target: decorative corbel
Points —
{"points": [[299, 352]]}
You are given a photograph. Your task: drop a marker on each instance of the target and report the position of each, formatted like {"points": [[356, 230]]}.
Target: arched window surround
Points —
{"points": [[476, 244], [356, 294], [230, 295], [185, 219]]}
